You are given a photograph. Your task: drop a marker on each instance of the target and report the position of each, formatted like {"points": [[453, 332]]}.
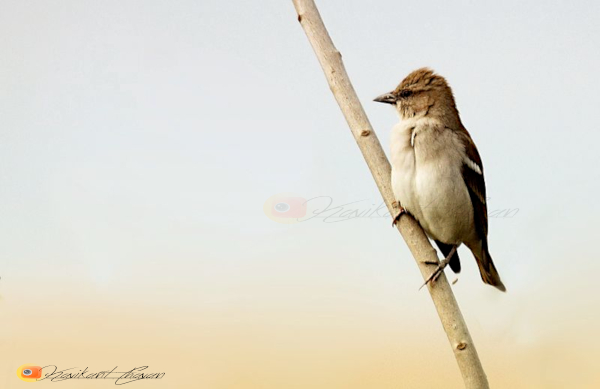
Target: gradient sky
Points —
{"points": [[139, 141]]}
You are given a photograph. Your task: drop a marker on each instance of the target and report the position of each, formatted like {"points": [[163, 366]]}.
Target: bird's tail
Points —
{"points": [[488, 271]]}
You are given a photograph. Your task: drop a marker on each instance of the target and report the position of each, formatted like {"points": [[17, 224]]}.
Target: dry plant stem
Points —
{"points": [[452, 320]]}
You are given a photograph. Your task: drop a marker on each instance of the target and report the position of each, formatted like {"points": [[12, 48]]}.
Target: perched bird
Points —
{"points": [[437, 174]]}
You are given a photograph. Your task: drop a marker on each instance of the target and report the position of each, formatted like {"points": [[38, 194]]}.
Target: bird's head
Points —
{"points": [[422, 92]]}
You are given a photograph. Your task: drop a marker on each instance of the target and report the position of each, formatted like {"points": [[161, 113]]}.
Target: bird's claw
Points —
{"points": [[397, 217], [434, 276], [440, 269]]}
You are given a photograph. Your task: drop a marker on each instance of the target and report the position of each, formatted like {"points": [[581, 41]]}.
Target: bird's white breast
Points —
{"points": [[427, 180]]}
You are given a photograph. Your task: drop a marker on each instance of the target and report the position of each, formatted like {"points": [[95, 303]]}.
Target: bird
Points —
{"points": [[437, 173]]}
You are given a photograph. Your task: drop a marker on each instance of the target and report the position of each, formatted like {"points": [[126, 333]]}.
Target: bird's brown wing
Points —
{"points": [[472, 172]]}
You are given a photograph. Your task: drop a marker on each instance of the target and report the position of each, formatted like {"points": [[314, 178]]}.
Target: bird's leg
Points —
{"points": [[443, 263], [400, 213]]}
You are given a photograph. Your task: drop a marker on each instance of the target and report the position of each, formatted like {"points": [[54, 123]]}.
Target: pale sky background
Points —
{"points": [[139, 141]]}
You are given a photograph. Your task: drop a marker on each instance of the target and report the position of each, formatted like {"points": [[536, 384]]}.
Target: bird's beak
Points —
{"points": [[388, 98]]}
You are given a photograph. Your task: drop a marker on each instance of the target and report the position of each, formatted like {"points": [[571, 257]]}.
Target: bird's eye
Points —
{"points": [[405, 93]]}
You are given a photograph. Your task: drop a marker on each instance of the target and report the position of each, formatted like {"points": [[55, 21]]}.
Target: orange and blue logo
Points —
{"points": [[29, 372], [285, 208]]}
